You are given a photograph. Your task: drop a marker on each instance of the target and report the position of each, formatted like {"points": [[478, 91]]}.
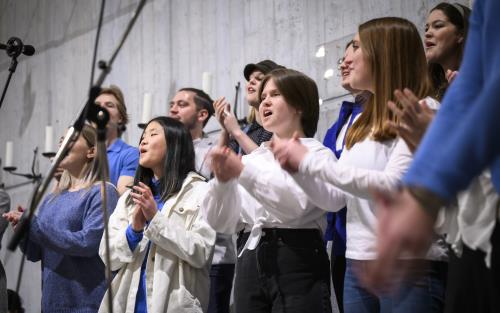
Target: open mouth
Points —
{"points": [[267, 113], [250, 90]]}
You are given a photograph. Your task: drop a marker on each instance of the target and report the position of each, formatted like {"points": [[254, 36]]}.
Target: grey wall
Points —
{"points": [[173, 42]]}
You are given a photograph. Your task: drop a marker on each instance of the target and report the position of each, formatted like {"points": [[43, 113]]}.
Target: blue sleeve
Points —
{"points": [[85, 241], [133, 237], [462, 141], [130, 162]]}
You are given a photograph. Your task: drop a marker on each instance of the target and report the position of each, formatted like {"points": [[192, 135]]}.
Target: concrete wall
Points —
{"points": [[173, 42]]}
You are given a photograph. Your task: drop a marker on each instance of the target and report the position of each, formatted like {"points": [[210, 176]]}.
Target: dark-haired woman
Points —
{"points": [[159, 243], [282, 264], [445, 34]]}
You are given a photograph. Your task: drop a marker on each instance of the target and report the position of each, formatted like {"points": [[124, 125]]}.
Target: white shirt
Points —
{"points": [[264, 196], [202, 147], [367, 164]]}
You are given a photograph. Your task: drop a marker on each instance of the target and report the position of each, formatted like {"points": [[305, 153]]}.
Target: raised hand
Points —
{"points": [[414, 117], [143, 197], [289, 152], [226, 165], [225, 117], [14, 216]]}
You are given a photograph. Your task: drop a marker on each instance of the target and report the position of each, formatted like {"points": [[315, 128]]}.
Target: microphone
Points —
{"points": [[15, 47]]}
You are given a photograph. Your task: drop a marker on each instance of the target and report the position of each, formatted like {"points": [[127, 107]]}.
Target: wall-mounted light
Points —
{"points": [[320, 52], [328, 73]]}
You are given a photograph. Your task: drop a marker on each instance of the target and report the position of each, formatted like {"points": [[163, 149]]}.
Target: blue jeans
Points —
{"points": [[424, 293]]}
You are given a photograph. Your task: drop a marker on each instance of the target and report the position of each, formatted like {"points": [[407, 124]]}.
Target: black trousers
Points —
{"points": [[288, 272], [473, 287], [221, 283], [338, 264]]}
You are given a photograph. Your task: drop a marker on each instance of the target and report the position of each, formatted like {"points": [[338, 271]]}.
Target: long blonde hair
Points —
{"points": [[396, 57], [91, 170]]}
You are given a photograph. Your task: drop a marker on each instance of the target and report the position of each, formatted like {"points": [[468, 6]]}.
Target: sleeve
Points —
{"points": [[83, 242], [274, 189], [120, 251], [221, 205], [193, 245], [133, 237], [130, 162], [463, 139], [354, 180]]}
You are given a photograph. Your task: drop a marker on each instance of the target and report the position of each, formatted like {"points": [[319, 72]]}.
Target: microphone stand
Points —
{"points": [[243, 120], [88, 111], [12, 69]]}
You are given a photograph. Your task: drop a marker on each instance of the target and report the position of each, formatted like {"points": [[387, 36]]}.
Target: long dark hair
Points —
{"points": [[458, 15], [179, 159]]}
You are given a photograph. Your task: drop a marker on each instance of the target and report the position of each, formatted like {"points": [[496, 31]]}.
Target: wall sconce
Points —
{"points": [[34, 176]]}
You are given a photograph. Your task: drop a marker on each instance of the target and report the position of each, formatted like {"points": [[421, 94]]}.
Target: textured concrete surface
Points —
{"points": [[173, 42]]}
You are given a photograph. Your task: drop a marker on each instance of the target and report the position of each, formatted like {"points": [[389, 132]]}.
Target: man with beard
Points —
{"points": [[193, 108]]}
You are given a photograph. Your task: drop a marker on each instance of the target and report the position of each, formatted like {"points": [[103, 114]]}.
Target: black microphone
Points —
{"points": [[15, 47]]}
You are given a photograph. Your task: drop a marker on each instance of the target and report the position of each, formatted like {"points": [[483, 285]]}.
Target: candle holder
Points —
{"points": [[35, 177], [49, 155]]}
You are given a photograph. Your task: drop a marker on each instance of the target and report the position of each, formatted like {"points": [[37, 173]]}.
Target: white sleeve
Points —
{"points": [[222, 205], [354, 180], [321, 193], [193, 245], [276, 190], [120, 252]]}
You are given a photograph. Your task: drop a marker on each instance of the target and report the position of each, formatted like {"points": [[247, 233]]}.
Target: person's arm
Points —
{"points": [[354, 180], [221, 205], [123, 247], [83, 242], [463, 139], [231, 127], [280, 194], [127, 172], [193, 245]]}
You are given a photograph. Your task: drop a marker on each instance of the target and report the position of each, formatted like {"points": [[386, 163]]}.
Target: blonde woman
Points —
{"points": [[388, 55], [66, 234]]}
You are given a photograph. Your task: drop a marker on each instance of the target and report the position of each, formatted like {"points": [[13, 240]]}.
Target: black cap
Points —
{"points": [[264, 66]]}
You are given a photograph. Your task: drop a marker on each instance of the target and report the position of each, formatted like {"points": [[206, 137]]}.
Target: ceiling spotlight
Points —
{"points": [[328, 73], [321, 52]]}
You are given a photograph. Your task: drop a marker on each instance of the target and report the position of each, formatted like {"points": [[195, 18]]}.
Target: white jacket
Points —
{"points": [[177, 268]]}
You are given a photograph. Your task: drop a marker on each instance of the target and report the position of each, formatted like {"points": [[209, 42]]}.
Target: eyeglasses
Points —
{"points": [[339, 62]]}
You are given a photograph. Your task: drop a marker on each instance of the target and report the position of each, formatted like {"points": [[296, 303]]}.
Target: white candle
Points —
{"points": [[9, 154], [146, 107], [206, 82], [49, 136]]}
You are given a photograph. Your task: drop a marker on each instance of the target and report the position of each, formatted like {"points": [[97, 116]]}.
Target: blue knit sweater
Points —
{"points": [[65, 236]]}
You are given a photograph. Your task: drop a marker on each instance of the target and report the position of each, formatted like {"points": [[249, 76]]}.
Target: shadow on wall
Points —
{"points": [[28, 105]]}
